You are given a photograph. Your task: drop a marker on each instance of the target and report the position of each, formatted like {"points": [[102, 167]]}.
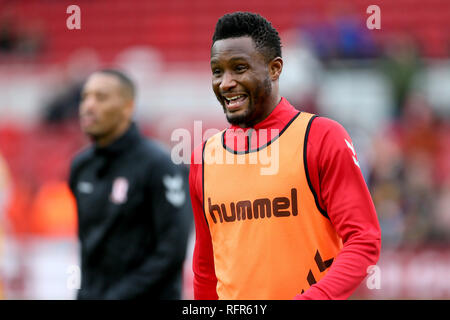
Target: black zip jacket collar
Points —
{"points": [[121, 144]]}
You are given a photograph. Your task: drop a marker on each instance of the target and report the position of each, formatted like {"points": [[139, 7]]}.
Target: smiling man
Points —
{"points": [[242, 103], [308, 230]]}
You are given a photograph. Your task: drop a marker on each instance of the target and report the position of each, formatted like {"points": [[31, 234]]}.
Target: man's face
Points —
{"points": [[240, 80], [103, 110]]}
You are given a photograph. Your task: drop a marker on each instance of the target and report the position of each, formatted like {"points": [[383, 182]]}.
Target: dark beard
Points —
{"points": [[252, 114], [242, 119]]}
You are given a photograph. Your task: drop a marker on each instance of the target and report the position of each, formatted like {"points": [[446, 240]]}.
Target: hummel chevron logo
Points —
{"points": [[350, 145], [322, 265]]}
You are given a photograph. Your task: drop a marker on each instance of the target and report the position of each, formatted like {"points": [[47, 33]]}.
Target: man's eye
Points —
{"points": [[101, 97], [241, 67], [216, 72]]}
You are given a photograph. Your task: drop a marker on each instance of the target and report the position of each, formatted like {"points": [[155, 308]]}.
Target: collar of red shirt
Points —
{"points": [[239, 139]]}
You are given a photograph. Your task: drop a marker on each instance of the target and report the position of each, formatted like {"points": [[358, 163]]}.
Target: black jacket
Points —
{"points": [[134, 218]]}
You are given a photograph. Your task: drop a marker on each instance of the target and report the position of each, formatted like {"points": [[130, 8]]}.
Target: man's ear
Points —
{"points": [[129, 109], [275, 68]]}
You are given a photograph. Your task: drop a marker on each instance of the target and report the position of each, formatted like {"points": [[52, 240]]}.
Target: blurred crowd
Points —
{"points": [[406, 159], [409, 178], [19, 40]]}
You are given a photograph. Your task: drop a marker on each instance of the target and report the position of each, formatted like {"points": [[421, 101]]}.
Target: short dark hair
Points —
{"points": [[241, 24], [125, 81]]}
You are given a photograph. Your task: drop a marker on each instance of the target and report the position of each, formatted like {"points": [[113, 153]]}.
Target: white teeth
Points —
{"points": [[234, 98]]}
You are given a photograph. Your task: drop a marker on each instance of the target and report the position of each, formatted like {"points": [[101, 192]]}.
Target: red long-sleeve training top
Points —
{"points": [[342, 193]]}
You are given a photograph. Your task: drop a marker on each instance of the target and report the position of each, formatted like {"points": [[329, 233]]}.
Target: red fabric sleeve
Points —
{"points": [[205, 280], [343, 194]]}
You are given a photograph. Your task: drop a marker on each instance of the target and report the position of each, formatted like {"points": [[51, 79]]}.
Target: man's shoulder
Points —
{"points": [[323, 127], [152, 155], [328, 137], [197, 154], [81, 157], [153, 149], [155, 160]]}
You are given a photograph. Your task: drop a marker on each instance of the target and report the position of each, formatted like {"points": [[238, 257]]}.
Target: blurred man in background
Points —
{"points": [[131, 199]]}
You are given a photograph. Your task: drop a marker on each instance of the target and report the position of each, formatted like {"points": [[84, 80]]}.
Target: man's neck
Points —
{"points": [[107, 140], [277, 120], [272, 103]]}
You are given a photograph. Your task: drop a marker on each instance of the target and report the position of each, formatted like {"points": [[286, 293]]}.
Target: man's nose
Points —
{"points": [[88, 104], [227, 82]]}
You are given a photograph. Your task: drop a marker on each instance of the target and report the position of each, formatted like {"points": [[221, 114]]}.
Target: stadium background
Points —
{"points": [[390, 88]]}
